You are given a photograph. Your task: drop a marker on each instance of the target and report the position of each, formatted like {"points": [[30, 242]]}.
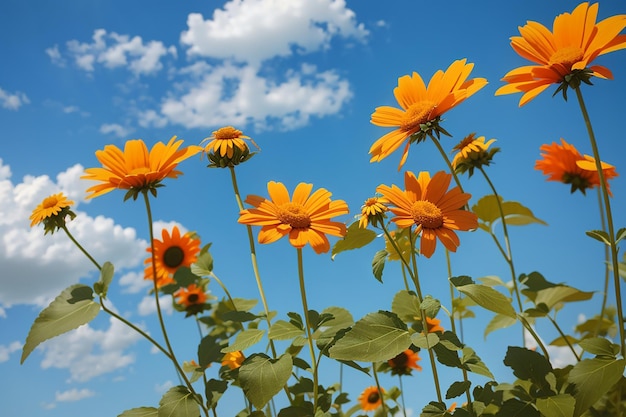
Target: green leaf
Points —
{"points": [[599, 346], [214, 390], [406, 305], [515, 214], [244, 340], [593, 378], [431, 306], [473, 363], [106, 276], [284, 330], [71, 309], [209, 350], [342, 319], [559, 294], [356, 237], [178, 402], [457, 388], [184, 277], [489, 298], [621, 234], [499, 321], [561, 405], [599, 235], [425, 342], [376, 337], [261, 377], [516, 408], [204, 265], [435, 409], [378, 264], [527, 364], [560, 341], [140, 412]]}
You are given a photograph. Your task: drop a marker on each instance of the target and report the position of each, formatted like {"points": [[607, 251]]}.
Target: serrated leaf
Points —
{"points": [[244, 340], [106, 276], [140, 412], [406, 305], [284, 330], [378, 264], [356, 237], [457, 388], [561, 405], [376, 337], [488, 298], [71, 309], [593, 378], [599, 346], [261, 377], [203, 265], [178, 402], [499, 321]]}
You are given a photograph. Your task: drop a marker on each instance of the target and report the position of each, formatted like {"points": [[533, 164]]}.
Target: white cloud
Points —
{"points": [[147, 305], [560, 356], [255, 30], [116, 129], [12, 101], [55, 56], [6, 351], [151, 118], [73, 395], [162, 388], [113, 50]]}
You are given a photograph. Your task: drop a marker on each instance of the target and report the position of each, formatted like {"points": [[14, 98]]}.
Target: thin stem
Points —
{"points": [[607, 274], [399, 252], [609, 219], [307, 324], [79, 246], [380, 390], [535, 336], [221, 284], [448, 163], [564, 337], [449, 266], [402, 395]]}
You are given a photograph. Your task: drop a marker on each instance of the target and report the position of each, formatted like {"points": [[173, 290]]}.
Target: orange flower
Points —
{"points": [[564, 54], [135, 169], [171, 253], [305, 217], [473, 152], [190, 296], [422, 107], [427, 204], [434, 325], [371, 398], [224, 140], [404, 362], [53, 206], [372, 211], [565, 164], [233, 359]]}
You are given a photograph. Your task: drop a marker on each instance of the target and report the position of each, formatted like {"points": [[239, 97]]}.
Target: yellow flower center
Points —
{"points": [[226, 133], [294, 215], [50, 202], [427, 214], [567, 56], [417, 114], [173, 257], [373, 398]]}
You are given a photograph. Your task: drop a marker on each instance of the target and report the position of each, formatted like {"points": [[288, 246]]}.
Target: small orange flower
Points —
{"points": [[565, 164], [233, 359], [224, 140], [190, 296], [422, 107], [372, 211], [473, 152], [305, 217], [135, 168], [404, 362], [51, 206], [170, 253], [427, 204], [371, 398], [434, 325], [575, 42]]}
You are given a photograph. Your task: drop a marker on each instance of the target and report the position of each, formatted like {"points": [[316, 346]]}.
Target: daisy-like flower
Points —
{"points": [[170, 253], [422, 107], [473, 152], [434, 325], [372, 211], [227, 147], [564, 54], [305, 217], [190, 296], [370, 399], [233, 359], [563, 163], [135, 168], [52, 212], [427, 204], [404, 363]]}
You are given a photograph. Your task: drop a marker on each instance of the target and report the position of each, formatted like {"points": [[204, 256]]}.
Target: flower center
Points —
{"points": [[427, 214], [567, 56], [294, 215], [139, 171], [467, 140], [417, 114], [173, 257], [227, 132], [50, 202], [373, 398], [401, 360], [193, 298]]}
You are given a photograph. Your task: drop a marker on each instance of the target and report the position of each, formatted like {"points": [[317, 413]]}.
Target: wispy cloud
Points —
{"points": [[12, 101]]}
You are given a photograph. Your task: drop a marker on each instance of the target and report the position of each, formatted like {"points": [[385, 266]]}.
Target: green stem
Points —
{"points": [[535, 336], [380, 390], [309, 336], [609, 219], [221, 284], [393, 243], [79, 246], [402, 395], [564, 337], [607, 269], [448, 163]]}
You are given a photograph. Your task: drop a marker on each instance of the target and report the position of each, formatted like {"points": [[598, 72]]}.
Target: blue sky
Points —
{"points": [[302, 78]]}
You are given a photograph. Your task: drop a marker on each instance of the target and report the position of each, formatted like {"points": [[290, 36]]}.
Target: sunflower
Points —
{"points": [[563, 55], [404, 363], [170, 253], [53, 208], [372, 211], [233, 359], [305, 217], [427, 204], [371, 398], [135, 168], [190, 296], [565, 164], [473, 152], [422, 107]]}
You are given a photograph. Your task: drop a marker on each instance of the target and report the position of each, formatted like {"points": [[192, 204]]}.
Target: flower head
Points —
{"points": [[565, 164], [227, 147], [52, 212], [564, 54], [404, 363], [427, 204], [305, 217], [372, 211], [170, 253], [233, 359], [422, 107], [434, 325], [371, 398], [473, 152], [135, 168], [190, 296]]}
